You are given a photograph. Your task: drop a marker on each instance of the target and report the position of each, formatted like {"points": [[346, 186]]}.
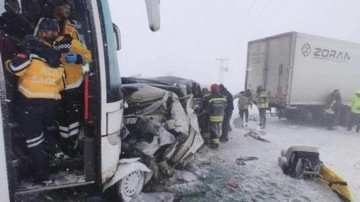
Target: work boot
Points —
{"points": [[224, 139], [357, 129], [215, 143], [214, 146]]}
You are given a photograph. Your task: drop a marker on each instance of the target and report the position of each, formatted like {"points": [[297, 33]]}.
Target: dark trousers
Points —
{"points": [[262, 115], [226, 125], [243, 112], [205, 129], [215, 133], [71, 119], [34, 117], [72, 103], [329, 120]]}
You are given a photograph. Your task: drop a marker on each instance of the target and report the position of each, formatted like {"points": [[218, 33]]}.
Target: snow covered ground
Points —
{"points": [[262, 179], [258, 180]]}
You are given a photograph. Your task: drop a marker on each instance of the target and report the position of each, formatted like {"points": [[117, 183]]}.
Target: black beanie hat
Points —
{"points": [[48, 24]]}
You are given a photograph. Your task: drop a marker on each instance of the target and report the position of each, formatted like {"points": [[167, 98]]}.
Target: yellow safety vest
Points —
{"points": [[355, 104], [74, 72], [263, 101], [38, 79]]}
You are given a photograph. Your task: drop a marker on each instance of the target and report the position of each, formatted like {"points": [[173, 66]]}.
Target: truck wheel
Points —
{"points": [[130, 186]]}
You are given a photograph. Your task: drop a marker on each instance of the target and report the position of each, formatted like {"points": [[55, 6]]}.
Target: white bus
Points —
{"points": [[99, 164]]}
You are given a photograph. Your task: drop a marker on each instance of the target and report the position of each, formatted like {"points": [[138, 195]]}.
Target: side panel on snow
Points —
{"points": [[322, 65]]}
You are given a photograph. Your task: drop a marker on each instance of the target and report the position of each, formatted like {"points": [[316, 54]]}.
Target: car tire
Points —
{"points": [[130, 186]]}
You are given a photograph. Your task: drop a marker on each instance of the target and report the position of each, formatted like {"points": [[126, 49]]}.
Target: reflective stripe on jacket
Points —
{"points": [[331, 108], [216, 107], [263, 101], [37, 78], [74, 72]]}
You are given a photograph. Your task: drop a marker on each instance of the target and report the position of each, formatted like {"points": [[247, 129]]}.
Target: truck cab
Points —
{"points": [[98, 164]]}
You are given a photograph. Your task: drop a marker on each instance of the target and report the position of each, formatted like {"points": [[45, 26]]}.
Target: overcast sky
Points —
{"points": [[194, 33]]}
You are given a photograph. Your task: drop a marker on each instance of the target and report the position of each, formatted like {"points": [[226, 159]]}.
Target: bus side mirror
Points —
{"points": [[153, 12], [117, 36]]}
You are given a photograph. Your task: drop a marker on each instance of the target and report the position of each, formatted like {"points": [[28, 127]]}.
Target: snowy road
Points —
{"points": [[262, 179], [259, 180]]}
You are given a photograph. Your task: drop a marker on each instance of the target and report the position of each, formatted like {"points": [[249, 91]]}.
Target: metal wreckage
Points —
{"points": [[162, 123]]}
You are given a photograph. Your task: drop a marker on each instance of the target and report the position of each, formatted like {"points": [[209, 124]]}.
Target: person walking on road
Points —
{"points": [[355, 112], [262, 104], [245, 100], [215, 108]]}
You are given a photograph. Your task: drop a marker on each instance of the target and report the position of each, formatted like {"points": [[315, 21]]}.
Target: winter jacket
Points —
{"points": [[244, 102], [67, 27], [262, 100], [333, 103], [37, 78], [229, 99], [331, 108], [73, 71], [215, 107], [355, 104]]}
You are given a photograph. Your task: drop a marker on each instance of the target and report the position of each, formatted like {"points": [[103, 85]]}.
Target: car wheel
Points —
{"points": [[130, 186]]}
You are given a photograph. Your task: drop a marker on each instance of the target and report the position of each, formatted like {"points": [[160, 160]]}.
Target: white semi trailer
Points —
{"points": [[301, 70]]}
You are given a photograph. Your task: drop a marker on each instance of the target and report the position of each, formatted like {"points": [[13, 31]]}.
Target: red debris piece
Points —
{"points": [[231, 183]]}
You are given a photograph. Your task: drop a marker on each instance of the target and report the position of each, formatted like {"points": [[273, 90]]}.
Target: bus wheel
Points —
{"points": [[130, 185]]}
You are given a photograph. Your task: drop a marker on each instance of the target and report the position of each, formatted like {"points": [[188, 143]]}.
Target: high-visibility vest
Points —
{"points": [[216, 108], [263, 101], [74, 72], [355, 104], [69, 28], [37, 78]]}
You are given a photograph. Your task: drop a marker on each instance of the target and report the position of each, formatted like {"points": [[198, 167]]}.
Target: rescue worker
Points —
{"points": [[228, 113], [245, 100], [62, 15], [41, 78], [204, 121], [262, 103], [78, 56], [332, 107], [354, 106], [215, 108]]}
